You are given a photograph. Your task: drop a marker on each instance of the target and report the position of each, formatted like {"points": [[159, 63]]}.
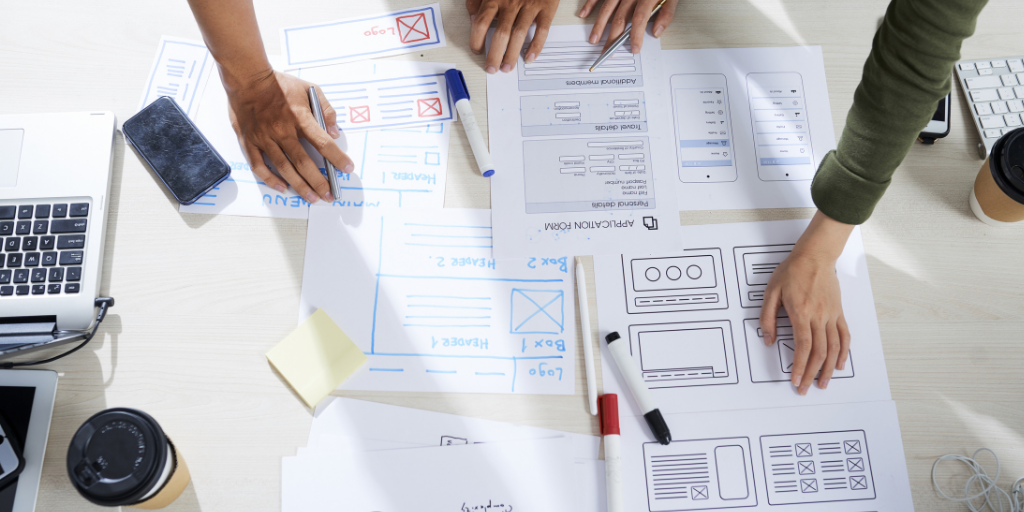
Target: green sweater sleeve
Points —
{"points": [[907, 73]]}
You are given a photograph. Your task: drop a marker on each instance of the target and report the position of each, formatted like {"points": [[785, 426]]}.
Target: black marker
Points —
{"points": [[635, 381]]}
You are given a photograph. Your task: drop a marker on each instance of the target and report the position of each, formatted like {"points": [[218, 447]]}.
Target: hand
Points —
{"points": [[807, 286], [269, 115], [621, 11], [514, 20]]}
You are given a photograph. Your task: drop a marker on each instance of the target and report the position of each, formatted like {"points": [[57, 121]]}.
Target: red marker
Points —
{"points": [[609, 406]]}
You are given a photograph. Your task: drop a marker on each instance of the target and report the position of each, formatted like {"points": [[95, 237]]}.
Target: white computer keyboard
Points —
{"points": [[995, 91]]}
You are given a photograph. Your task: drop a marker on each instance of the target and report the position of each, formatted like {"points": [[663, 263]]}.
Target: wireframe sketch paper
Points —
{"points": [[180, 70], [583, 167], [346, 423], [842, 458], [536, 475], [692, 321], [421, 294], [365, 37], [404, 166], [751, 125]]}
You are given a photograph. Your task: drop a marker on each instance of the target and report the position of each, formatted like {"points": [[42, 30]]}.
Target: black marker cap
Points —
{"points": [[612, 336], [658, 426]]}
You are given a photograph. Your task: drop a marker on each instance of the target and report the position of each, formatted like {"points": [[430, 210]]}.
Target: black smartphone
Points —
{"points": [[11, 459], [176, 150], [938, 127]]}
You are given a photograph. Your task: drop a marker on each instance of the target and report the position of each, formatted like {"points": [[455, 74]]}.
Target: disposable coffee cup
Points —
{"points": [[121, 457], [997, 198]]}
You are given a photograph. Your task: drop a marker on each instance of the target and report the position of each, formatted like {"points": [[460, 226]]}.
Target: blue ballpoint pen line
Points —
{"points": [[452, 236], [441, 371], [445, 307], [458, 278], [446, 297], [460, 246], [454, 317], [491, 373], [407, 94], [404, 86], [448, 325], [376, 290], [467, 356], [386, 369], [446, 226]]}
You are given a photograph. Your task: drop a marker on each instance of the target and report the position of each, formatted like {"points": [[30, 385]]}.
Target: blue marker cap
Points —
{"points": [[457, 84]]}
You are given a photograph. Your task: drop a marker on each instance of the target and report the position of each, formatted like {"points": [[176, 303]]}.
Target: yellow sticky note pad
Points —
{"points": [[316, 357]]}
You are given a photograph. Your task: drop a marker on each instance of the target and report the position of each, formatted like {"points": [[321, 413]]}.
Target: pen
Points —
{"points": [[588, 348], [635, 381], [318, 113], [622, 39], [612, 457], [457, 86]]}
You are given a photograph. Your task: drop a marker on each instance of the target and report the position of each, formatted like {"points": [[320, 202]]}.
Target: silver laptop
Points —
{"points": [[54, 194]]}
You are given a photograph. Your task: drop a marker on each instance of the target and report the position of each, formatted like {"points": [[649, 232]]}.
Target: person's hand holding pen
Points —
{"points": [[269, 110], [614, 14], [513, 18]]}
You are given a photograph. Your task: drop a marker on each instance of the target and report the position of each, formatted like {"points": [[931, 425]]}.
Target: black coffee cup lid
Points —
{"points": [[1008, 154], [117, 456]]}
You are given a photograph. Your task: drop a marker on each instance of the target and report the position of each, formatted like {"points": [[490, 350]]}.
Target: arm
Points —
{"points": [[269, 110]]}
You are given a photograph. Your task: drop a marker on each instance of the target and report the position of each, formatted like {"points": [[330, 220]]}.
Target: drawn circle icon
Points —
{"points": [[673, 273], [693, 272], [652, 274]]}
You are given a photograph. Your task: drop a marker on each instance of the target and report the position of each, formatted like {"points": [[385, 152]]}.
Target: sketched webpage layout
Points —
{"points": [[420, 292], [583, 158], [751, 125], [691, 319], [842, 458], [395, 166]]}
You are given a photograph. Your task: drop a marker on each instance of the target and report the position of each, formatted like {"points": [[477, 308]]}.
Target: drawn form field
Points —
{"points": [[352, 39], [691, 282], [817, 467], [699, 474], [705, 152], [754, 267], [566, 65], [564, 175], [537, 311], [775, 363], [684, 354], [782, 134], [181, 70], [624, 112]]}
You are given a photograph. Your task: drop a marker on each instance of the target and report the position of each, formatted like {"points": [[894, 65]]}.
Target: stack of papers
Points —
{"points": [[382, 457]]}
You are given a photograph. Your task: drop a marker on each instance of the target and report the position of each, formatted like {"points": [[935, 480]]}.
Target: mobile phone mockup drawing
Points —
{"points": [[782, 135], [703, 128]]}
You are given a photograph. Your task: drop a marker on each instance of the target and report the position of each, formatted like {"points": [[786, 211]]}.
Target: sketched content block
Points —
{"points": [[537, 311]]}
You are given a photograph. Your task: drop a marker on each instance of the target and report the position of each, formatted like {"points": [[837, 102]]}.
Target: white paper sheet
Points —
{"points": [[346, 423], [394, 33], [751, 125], [420, 293], [403, 166], [180, 70], [841, 458], [583, 166], [536, 475], [691, 319]]}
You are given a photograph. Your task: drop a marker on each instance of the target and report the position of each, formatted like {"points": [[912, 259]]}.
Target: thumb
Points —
{"points": [[330, 116]]}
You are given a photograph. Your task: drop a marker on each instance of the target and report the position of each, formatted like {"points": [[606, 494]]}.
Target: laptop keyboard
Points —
{"points": [[43, 248], [995, 91]]}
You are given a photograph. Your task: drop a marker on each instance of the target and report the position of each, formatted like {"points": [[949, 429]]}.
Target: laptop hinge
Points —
{"points": [[27, 326]]}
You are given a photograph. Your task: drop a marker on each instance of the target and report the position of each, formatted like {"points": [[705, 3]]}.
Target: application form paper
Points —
{"points": [[536, 475], [691, 319], [180, 70], [584, 163], [364, 37], [421, 294], [843, 458], [750, 125], [401, 166]]}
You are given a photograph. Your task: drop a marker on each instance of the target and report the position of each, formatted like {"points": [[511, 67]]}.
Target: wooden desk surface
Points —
{"points": [[200, 298]]}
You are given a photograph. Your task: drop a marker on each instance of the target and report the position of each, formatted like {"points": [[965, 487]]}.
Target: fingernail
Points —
{"points": [[768, 339], [505, 68], [329, 197], [279, 187], [841, 365], [311, 198], [802, 391], [658, 29], [593, 39], [636, 49], [796, 381], [490, 70], [335, 132], [583, 13], [531, 57], [823, 383], [348, 168]]}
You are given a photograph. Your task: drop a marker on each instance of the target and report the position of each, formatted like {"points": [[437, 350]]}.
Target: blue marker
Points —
{"points": [[457, 86]]}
